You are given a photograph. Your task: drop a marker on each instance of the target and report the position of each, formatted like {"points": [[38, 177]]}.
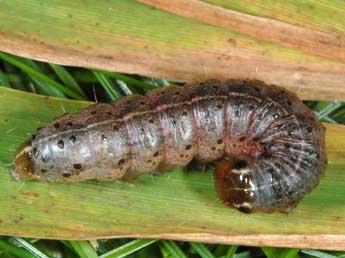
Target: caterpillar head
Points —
{"points": [[23, 167]]}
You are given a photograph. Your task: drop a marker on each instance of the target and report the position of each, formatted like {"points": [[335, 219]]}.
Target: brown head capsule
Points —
{"points": [[269, 146]]}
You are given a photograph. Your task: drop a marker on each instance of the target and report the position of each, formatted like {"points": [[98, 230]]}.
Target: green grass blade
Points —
{"points": [[231, 252], [328, 109], [156, 82], [128, 248], [67, 79], [124, 87], [3, 80], [43, 87], [202, 250], [83, 248], [30, 71], [108, 86], [129, 80], [329, 120], [14, 250], [173, 248], [316, 253], [245, 254], [272, 252], [29, 247]]}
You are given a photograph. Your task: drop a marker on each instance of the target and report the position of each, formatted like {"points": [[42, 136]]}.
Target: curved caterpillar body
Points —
{"points": [[268, 145]]}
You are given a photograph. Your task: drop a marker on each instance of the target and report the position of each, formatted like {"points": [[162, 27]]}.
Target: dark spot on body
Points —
{"points": [[60, 144], [219, 141], [72, 139], [309, 129], [121, 161], [155, 154], [43, 170], [242, 138], [69, 124], [109, 113], [56, 125], [213, 148], [77, 166], [66, 174], [188, 147]]}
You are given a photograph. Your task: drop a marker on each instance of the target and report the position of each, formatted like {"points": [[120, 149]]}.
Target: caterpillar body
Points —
{"points": [[268, 147]]}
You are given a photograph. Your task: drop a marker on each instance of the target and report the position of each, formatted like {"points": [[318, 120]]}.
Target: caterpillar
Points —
{"points": [[267, 147]]}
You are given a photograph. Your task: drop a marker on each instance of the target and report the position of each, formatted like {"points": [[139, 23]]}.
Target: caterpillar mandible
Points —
{"points": [[268, 147]]}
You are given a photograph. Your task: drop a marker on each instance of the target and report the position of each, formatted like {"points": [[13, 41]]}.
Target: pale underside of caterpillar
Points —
{"points": [[267, 146]]}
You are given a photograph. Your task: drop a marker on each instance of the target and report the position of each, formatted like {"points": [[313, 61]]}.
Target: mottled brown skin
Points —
{"points": [[268, 145]]}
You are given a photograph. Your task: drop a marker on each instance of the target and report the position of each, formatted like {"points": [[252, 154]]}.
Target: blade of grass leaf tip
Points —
{"points": [[28, 246], [173, 248], [40, 76], [83, 248], [14, 250], [231, 251], [108, 86], [128, 248], [67, 79], [316, 253], [202, 250]]}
